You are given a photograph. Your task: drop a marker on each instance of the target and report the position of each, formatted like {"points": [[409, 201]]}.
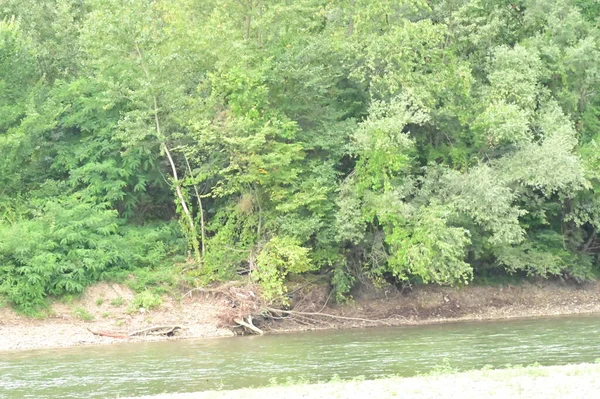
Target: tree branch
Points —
{"points": [[589, 242]]}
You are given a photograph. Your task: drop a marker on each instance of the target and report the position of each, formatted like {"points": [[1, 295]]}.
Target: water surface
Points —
{"points": [[133, 369]]}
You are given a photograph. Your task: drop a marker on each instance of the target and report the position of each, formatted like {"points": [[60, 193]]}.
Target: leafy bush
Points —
{"points": [[66, 245], [147, 300], [342, 282], [543, 255], [280, 256], [435, 251]]}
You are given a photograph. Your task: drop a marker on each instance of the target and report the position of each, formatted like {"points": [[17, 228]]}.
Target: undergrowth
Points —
{"points": [[65, 245], [146, 300]]}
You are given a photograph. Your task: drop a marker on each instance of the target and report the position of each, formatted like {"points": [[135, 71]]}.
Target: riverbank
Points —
{"points": [[572, 381], [108, 309]]}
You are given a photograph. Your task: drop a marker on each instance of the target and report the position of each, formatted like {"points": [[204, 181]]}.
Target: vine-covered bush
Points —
{"points": [[280, 256]]}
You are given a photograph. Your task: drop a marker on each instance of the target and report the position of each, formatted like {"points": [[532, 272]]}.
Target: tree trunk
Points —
{"points": [[167, 152], [200, 209], [351, 23], [186, 210], [248, 23]]}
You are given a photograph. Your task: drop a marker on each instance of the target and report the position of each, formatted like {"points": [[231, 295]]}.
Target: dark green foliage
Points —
{"points": [[67, 244], [590, 9]]}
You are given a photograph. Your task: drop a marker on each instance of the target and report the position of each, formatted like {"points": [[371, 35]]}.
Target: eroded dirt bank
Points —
{"points": [[108, 308]]}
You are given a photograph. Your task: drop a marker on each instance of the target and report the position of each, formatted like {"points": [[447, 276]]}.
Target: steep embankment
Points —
{"points": [[109, 309]]}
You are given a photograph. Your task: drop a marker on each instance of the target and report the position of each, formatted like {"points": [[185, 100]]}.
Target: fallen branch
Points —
{"points": [[249, 325], [110, 335], [590, 240], [168, 331]]}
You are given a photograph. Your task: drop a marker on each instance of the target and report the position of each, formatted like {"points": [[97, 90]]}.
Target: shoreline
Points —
{"points": [[226, 333], [201, 316]]}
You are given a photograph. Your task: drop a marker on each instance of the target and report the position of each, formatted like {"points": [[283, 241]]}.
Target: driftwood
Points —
{"points": [[158, 330], [249, 325], [106, 334]]}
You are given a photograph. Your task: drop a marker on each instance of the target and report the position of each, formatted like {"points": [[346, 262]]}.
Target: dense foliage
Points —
{"points": [[429, 141]]}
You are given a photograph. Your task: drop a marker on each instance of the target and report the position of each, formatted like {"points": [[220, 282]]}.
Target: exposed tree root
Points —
{"points": [[309, 304], [223, 289], [319, 314]]}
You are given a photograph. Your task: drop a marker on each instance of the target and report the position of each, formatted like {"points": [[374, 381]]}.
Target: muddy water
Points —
{"points": [[228, 363]]}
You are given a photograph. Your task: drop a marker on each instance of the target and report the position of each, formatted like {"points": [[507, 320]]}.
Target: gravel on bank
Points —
{"points": [[554, 382], [108, 308]]}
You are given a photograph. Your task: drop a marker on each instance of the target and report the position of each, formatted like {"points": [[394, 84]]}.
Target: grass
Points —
{"points": [[83, 314], [67, 299], [441, 369], [147, 300], [150, 284], [160, 279], [117, 302], [512, 380]]}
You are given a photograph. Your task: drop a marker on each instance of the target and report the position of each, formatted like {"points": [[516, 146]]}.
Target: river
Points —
{"points": [[133, 369]]}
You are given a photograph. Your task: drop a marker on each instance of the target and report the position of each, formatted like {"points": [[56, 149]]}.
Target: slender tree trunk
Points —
{"points": [[351, 23], [200, 209], [167, 152], [248, 23], [590, 240], [260, 33], [260, 221], [178, 190]]}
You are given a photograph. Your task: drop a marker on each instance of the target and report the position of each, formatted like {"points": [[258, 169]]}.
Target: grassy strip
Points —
{"points": [[536, 382]]}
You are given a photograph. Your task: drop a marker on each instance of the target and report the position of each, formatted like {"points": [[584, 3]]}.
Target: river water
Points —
{"points": [[134, 369]]}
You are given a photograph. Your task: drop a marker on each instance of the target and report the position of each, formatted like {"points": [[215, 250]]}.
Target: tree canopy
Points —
{"points": [[429, 141]]}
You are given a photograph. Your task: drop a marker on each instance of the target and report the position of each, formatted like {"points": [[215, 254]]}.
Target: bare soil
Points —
{"points": [[107, 308], [436, 304]]}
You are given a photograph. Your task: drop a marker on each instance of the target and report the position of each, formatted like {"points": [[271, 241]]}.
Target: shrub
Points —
{"points": [[83, 314], [64, 245], [280, 256], [117, 302], [147, 300]]}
